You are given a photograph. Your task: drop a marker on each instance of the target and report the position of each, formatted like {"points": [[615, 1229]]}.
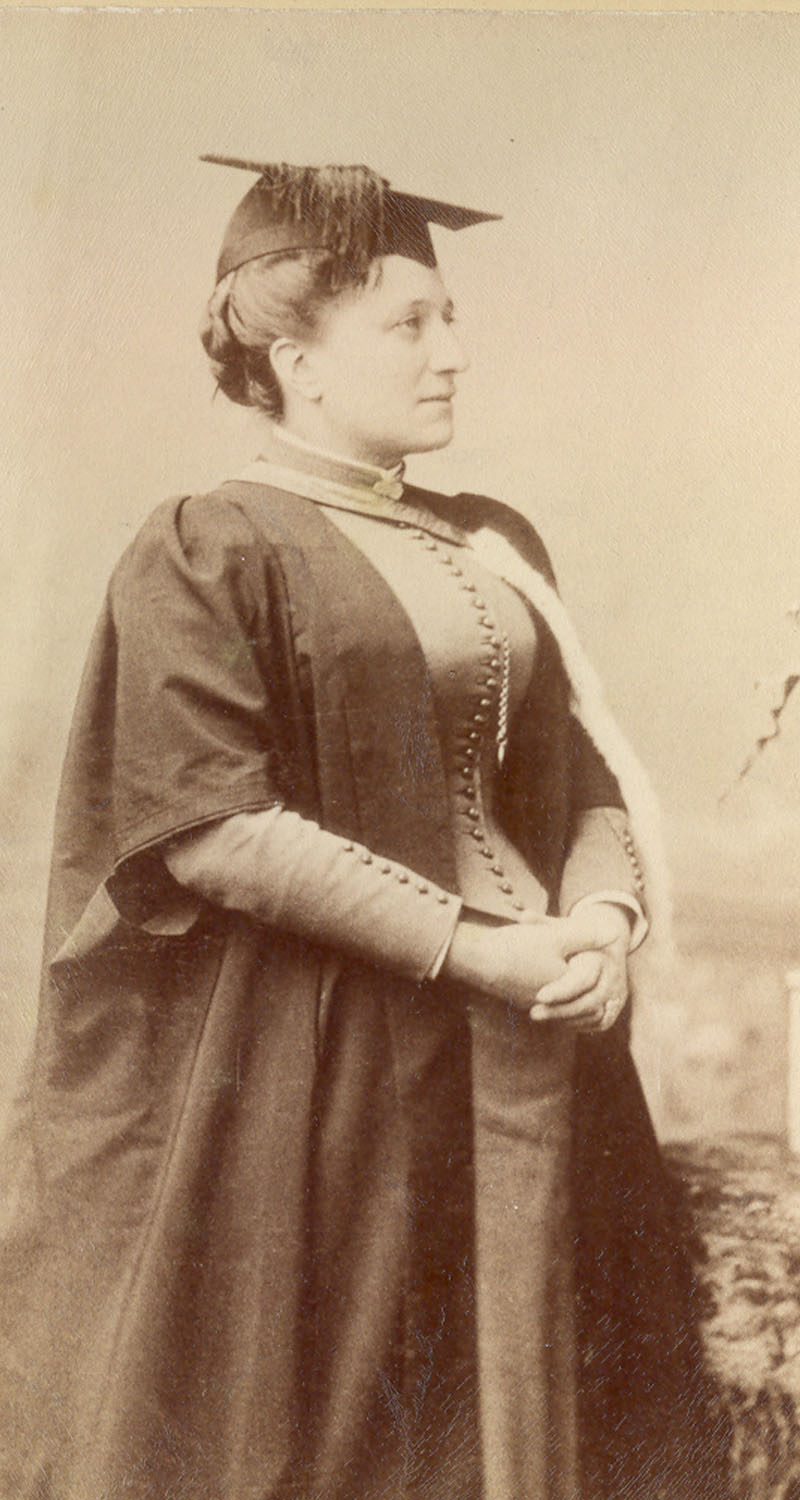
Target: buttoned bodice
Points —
{"points": [[479, 642], [477, 635]]}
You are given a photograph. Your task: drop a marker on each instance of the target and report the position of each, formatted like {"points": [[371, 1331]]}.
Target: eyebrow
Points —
{"points": [[420, 304]]}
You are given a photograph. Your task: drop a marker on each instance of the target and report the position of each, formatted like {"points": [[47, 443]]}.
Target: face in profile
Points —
{"points": [[383, 366]]}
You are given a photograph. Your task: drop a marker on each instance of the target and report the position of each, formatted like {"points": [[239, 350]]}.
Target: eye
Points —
{"points": [[412, 322]]}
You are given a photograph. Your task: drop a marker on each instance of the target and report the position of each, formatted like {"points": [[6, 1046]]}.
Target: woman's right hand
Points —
{"points": [[511, 960]]}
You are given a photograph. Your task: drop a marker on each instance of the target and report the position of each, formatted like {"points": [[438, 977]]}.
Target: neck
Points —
{"points": [[310, 423], [295, 437]]}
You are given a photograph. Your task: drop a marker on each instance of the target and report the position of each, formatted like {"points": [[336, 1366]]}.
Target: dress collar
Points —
{"points": [[289, 463], [285, 448]]}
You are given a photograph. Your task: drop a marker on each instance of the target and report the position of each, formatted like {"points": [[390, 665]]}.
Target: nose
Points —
{"points": [[447, 353]]}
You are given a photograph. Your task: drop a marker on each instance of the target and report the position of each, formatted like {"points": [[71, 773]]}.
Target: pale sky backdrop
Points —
{"points": [[633, 324]]}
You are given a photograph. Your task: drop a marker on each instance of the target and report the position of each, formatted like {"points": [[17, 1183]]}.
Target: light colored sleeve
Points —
{"points": [[602, 865], [289, 873]]}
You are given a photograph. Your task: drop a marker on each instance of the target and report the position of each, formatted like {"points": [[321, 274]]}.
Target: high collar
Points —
{"points": [[285, 448], [289, 463]]}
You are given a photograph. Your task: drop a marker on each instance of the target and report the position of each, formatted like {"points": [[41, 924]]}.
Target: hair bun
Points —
{"points": [[226, 353]]}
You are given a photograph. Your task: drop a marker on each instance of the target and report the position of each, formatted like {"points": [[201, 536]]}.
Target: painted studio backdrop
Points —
{"points": [[634, 330]]}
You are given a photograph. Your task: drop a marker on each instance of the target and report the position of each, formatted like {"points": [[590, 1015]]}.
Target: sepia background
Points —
{"points": [[634, 329]]}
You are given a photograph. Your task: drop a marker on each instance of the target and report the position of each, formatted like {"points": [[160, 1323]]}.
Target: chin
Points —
{"points": [[437, 437]]}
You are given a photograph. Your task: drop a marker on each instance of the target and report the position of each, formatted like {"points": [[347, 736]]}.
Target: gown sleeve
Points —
{"points": [[202, 737], [199, 718]]}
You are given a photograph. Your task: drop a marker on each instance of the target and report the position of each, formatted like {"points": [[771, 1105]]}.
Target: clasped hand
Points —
{"points": [[571, 969], [592, 989]]}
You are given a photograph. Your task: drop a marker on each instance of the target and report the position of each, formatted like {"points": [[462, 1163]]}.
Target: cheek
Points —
{"points": [[383, 387], [384, 382], [400, 378]]}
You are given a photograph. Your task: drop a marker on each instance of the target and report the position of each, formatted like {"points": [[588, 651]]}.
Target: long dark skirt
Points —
{"points": [[242, 1263]]}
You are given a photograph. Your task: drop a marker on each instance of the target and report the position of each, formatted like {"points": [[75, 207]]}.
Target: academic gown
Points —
{"points": [[238, 1259]]}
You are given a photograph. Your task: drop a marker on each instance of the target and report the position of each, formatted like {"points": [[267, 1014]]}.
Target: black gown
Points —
{"points": [[217, 1281]]}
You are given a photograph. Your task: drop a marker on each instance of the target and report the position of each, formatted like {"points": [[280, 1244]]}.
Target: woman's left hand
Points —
{"points": [[593, 992]]}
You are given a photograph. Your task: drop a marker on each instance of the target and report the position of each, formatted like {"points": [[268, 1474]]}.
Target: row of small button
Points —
{"points": [[473, 733], [403, 877]]}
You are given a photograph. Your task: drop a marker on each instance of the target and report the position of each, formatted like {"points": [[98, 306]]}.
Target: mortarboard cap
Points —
{"points": [[350, 211]]}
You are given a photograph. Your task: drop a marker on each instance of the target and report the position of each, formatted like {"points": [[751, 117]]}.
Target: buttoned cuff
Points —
{"points": [[602, 857], [289, 873]]}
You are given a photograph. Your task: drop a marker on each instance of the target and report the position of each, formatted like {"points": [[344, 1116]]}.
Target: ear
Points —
{"points": [[294, 369]]}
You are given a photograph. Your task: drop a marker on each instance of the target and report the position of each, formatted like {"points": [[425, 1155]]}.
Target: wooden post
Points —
{"points": [[793, 1076]]}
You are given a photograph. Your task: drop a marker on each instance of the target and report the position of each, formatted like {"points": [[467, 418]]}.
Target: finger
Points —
{"points": [[605, 1015], [583, 973], [589, 1013], [587, 1008], [597, 1024]]}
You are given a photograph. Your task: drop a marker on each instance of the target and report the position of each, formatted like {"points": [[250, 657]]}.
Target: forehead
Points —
{"points": [[397, 276], [394, 284]]}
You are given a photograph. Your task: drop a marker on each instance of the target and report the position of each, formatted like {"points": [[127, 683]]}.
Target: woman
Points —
{"points": [[339, 1182]]}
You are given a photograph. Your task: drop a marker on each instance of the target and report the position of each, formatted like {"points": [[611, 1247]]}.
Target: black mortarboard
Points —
{"points": [[350, 211]]}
